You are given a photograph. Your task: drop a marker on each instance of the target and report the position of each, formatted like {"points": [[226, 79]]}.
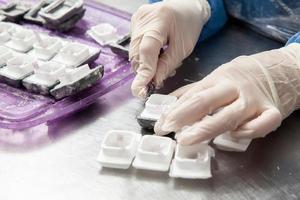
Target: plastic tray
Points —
{"points": [[20, 109]]}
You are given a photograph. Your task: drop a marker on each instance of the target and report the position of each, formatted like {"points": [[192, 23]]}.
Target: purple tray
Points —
{"points": [[20, 109]]}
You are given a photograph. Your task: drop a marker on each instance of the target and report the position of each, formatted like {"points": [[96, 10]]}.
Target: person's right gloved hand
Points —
{"points": [[176, 24], [248, 97]]}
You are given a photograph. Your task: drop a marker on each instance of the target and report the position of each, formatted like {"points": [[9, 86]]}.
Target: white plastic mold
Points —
{"points": [[5, 31], [46, 47], [5, 55], [192, 162], [75, 54], [118, 149], [18, 67], [103, 33], [154, 153], [227, 143], [156, 105], [46, 73], [22, 40]]}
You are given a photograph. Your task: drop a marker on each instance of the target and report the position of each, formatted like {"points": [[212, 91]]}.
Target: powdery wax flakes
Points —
{"points": [[154, 107], [22, 40], [154, 153], [75, 54], [192, 162], [103, 33], [118, 149], [227, 143]]}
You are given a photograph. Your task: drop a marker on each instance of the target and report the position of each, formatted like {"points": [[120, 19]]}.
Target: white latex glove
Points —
{"points": [[174, 23], [249, 96]]}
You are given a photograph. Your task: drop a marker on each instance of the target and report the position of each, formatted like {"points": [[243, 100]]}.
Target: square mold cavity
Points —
{"points": [[46, 76], [22, 40], [154, 153], [227, 143], [61, 10], [118, 149], [16, 69], [192, 162], [76, 80], [75, 54], [154, 107], [46, 47], [103, 33]]}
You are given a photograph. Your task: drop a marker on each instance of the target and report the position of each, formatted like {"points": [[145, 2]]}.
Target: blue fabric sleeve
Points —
{"points": [[217, 19], [294, 39]]}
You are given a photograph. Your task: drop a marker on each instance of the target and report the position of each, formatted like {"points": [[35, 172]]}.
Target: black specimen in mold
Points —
{"points": [[121, 47], [59, 92]]}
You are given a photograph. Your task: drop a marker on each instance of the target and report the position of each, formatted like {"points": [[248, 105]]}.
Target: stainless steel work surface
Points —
{"points": [[60, 164]]}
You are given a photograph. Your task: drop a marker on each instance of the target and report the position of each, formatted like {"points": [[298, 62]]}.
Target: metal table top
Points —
{"points": [[61, 163]]}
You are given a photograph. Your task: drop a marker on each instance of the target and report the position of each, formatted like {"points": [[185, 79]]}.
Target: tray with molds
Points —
{"points": [[45, 75]]}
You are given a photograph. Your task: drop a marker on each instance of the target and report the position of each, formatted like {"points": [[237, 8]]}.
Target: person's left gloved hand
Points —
{"points": [[172, 25], [249, 96]]}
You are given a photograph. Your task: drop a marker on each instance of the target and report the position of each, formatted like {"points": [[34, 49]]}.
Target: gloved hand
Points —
{"points": [[174, 23], [248, 96]]}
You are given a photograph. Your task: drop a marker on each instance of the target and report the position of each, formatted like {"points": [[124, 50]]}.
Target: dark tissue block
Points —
{"points": [[12, 82], [40, 89], [122, 46], [86, 82]]}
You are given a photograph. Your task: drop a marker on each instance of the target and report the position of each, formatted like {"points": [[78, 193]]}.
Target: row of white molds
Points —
{"points": [[45, 47], [121, 148]]}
